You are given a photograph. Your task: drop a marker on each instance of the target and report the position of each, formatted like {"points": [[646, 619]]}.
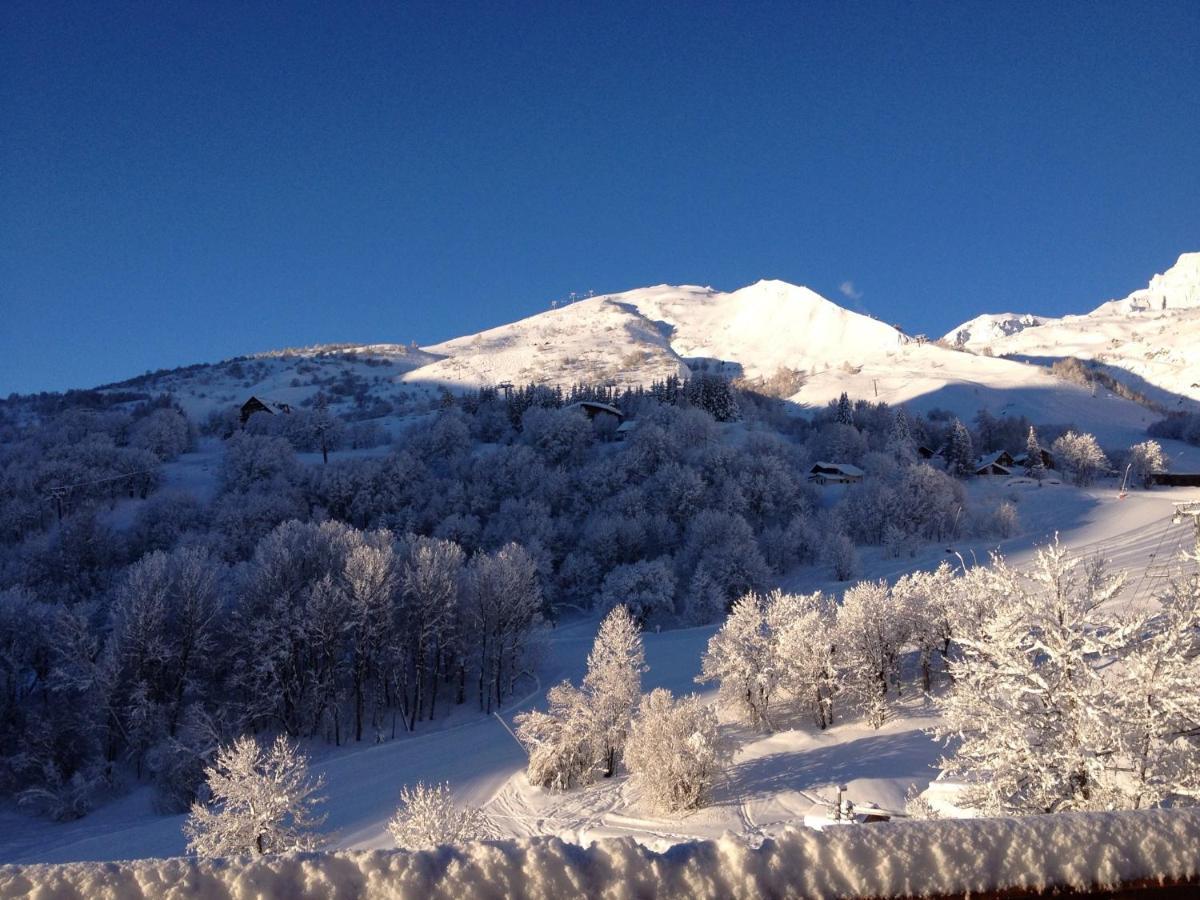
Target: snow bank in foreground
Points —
{"points": [[886, 860]]}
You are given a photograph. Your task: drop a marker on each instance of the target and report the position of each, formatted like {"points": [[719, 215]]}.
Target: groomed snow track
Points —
{"points": [[1134, 854]]}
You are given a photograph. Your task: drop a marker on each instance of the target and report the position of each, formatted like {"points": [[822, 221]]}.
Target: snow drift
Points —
{"points": [[1079, 851]]}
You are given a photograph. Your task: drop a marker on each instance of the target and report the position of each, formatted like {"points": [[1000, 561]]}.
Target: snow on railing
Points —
{"points": [[1084, 853]]}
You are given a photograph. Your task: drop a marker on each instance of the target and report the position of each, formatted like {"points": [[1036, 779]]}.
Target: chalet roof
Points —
{"points": [[628, 425], [271, 406], [826, 468], [999, 457], [595, 406]]}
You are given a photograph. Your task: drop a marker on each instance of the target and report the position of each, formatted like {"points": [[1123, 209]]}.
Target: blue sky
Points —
{"points": [[184, 182]]}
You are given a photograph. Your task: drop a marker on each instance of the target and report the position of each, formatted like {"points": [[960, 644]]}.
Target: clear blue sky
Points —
{"points": [[182, 182]]}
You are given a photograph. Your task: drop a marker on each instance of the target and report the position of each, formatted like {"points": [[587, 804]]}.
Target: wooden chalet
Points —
{"points": [[835, 473], [594, 408], [1020, 460], [998, 463], [255, 405]]}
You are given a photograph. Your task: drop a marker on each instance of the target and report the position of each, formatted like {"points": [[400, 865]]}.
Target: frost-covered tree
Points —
{"points": [[261, 802], [1145, 459], [803, 631], [613, 683], [1027, 688], [1035, 465], [675, 750], [871, 630], [503, 612], [960, 452], [842, 556], [1080, 455], [561, 742], [923, 600], [741, 658], [428, 817], [900, 442], [430, 579], [646, 588], [370, 581]]}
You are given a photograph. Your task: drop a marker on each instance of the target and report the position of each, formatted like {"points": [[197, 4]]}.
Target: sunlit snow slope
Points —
{"points": [[1150, 340]]}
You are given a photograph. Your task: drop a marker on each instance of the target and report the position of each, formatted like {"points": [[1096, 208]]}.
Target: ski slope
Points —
{"points": [[785, 778]]}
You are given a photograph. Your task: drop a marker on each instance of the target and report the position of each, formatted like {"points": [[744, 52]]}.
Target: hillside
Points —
{"points": [[775, 337], [1146, 340]]}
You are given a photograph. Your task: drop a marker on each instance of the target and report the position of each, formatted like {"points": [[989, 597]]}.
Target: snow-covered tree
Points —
{"points": [[960, 452], [924, 601], [613, 683], [900, 442], [842, 556], [1152, 721], [1080, 455], [803, 633], [1145, 459], [675, 750], [1027, 688], [503, 612], [741, 658], [428, 817], [261, 802], [561, 741], [845, 412], [646, 588], [1035, 465], [871, 630]]}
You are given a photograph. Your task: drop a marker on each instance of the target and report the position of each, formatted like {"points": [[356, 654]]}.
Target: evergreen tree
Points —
{"points": [[845, 412], [960, 454], [1035, 466], [900, 442]]}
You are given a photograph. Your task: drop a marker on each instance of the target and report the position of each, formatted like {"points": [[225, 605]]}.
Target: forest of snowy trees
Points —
{"points": [[142, 627]]}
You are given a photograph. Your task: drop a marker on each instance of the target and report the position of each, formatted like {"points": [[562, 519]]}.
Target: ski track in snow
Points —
{"points": [[779, 777]]}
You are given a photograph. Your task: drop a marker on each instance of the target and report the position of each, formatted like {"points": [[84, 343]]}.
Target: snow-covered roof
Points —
{"points": [[842, 468], [992, 459], [596, 406], [271, 406], [628, 425]]}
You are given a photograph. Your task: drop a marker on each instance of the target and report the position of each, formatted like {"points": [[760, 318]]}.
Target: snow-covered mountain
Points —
{"points": [[785, 339], [1147, 340], [983, 330]]}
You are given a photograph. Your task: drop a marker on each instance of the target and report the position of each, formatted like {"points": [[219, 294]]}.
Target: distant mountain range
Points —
{"points": [[776, 337]]}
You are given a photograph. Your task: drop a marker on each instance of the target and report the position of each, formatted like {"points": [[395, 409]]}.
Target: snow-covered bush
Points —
{"points": [[560, 742], [260, 802], [675, 750], [427, 817], [1080, 455]]}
